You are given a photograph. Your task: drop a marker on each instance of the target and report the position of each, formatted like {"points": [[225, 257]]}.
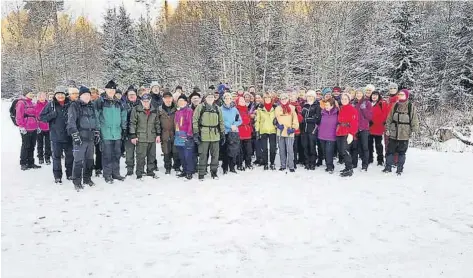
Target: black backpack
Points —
{"points": [[13, 111]]}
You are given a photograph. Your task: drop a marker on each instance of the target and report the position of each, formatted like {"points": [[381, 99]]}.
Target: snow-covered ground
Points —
{"points": [[254, 224]]}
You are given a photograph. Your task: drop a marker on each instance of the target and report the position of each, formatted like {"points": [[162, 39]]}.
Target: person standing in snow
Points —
{"points": [[166, 114], [43, 140], [155, 90], [130, 148], [347, 127], [311, 119], [183, 137], [245, 130], [232, 120], [369, 89], [377, 127], [209, 134], [327, 133], [28, 126], [287, 123], [401, 123], [360, 146], [112, 121], [83, 127], [391, 100], [94, 96], [266, 131], [257, 146], [145, 133], [55, 114], [298, 150], [195, 98]]}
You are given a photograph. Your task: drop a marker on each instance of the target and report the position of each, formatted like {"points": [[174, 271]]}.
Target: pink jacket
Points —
{"points": [[26, 114], [39, 107]]}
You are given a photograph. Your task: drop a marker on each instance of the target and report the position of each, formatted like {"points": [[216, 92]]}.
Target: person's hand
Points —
{"points": [[234, 128], [134, 141], [76, 139], [222, 139], [196, 138], [349, 139], [280, 127], [387, 132], [23, 130], [124, 135], [158, 139], [290, 131]]}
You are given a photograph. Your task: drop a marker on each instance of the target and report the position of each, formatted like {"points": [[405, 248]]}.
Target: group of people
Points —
{"points": [[92, 130]]}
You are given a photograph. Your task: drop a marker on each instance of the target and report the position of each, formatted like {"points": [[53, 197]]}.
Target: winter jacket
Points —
{"points": [[400, 124], [156, 100], [231, 116], [44, 126], [328, 125], [26, 114], [166, 118], [378, 122], [208, 122], [347, 121], [219, 102], [112, 118], [310, 117], [128, 107], [299, 115], [144, 125], [391, 101], [183, 120], [56, 116], [245, 129], [365, 113], [82, 118], [287, 120], [265, 121]]}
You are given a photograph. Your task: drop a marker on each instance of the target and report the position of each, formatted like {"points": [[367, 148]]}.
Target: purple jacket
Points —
{"points": [[39, 107], [26, 114], [328, 125], [365, 113], [183, 120]]}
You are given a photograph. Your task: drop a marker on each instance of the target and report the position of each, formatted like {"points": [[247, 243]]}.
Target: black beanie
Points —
{"points": [[111, 85], [27, 91], [178, 87], [182, 96], [83, 90]]}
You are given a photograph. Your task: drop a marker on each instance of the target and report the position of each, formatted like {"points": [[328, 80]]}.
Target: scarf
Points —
{"points": [[268, 106], [286, 109], [61, 102]]}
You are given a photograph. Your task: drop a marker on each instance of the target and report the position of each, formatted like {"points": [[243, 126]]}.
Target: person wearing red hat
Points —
{"points": [[401, 123]]}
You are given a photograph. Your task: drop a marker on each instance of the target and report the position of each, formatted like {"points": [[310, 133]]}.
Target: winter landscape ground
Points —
{"points": [[256, 224]]}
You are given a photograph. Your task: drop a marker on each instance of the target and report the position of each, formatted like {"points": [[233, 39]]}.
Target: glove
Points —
{"points": [[363, 105], [280, 127], [124, 135], [76, 139], [258, 136], [290, 131], [23, 130], [96, 137], [222, 139], [197, 138], [349, 139]]}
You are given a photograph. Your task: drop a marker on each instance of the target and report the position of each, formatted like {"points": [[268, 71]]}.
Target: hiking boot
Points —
{"points": [[344, 170], [89, 183], [24, 167], [380, 163], [266, 167], [307, 167], [282, 169], [387, 170], [129, 172], [399, 171], [34, 166], [249, 167], [109, 180], [139, 177], [201, 177], [214, 175], [58, 180], [98, 172], [292, 170], [168, 172], [118, 177], [272, 167], [189, 176], [41, 160], [364, 169], [48, 161], [225, 171], [69, 178], [347, 173], [181, 175], [78, 187], [153, 175]]}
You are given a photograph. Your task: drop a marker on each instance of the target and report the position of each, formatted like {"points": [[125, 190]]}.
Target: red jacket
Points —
{"points": [[378, 121], [347, 121], [390, 102], [245, 129], [299, 115]]}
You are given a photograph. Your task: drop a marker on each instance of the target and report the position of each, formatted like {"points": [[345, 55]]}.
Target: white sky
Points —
{"points": [[95, 9]]}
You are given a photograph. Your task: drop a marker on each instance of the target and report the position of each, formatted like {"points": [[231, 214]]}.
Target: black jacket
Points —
{"points": [[82, 118], [156, 100], [56, 116], [129, 106], [311, 114]]}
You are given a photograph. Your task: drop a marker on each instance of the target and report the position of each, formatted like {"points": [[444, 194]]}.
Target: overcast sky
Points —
{"points": [[95, 9]]}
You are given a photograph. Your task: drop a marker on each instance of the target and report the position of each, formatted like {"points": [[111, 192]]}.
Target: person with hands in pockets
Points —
{"points": [[347, 128], [183, 137], [28, 124], [286, 123]]}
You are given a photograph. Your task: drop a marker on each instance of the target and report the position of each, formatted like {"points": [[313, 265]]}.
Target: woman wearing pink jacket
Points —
{"points": [[28, 125], [43, 141]]}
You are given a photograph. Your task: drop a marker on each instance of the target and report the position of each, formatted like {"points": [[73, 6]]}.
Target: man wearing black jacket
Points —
{"points": [[311, 113], [156, 96], [55, 113]]}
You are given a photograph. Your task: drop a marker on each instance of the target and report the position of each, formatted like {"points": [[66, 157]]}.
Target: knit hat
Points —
{"points": [[167, 94], [146, 97], [26, 91], [212, 87], [118, 91], [111, 85], [154, 83], [337, 89], [194, 94], [221, 89], [83, 90], [131, 88], [310, 93], [406, 92], [393, 86], [326, 90], [60, 90], [71, 84], [370, 87], [182, 97]]}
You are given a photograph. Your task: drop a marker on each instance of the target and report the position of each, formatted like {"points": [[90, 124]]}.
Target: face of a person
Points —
{"points": [[30, 95], [318, 95], [241, 101], [310, 99], [268, 99], [217, 96], [375, 97], [258, 99], [210, 99], [110, 92], [284, 100], [167, 101], [345, 100], [182, 103], [132, 96], [252, 98], [118, 96], [94, 95], [327, 96], [74, 95], [60, 97], [392, 91], [359, 95], [195, 100], [368, 93], [155, 90], [247, 98], [294, 97], [234, 97], [336, 93], [145, 103], [85, 98], [401, 96], [352, 94], [252, 90], [42, 97], [228, 99], [50, 96], [328, 106]]}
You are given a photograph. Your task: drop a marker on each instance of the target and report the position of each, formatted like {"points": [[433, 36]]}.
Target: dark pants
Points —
{"points": [[28, 142], [171, 155], [360, 148], [123, 147], [386, 143], [111, 158], [258, 150], [376, 139], [245, 153], [44, 145], [271, 140], [309, 143], [344, 151], [227, 160], [145, 154], [399, 147], [58, 149], [83, 162], [98, 156], [300, 150], [320, 153], [186, 157], [328, 148], [206, 148], [130, 150], [295, 149]]}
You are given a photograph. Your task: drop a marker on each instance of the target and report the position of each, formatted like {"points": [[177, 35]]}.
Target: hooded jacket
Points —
{"points": [[400, 124], [144, 125], [112, 118], [378, 122], [56, 116], [183, 120], [245, 129], [26, 114], [264, 123], [82, 117], [231, 116], [166, 118], [311, 115], [328, 125]]}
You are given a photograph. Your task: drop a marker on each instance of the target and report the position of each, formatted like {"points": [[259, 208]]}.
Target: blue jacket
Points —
{"points": [[231, 116]]}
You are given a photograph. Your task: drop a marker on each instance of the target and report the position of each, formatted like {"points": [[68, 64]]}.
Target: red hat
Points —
{"points": [[406, 92], [336, 89]]}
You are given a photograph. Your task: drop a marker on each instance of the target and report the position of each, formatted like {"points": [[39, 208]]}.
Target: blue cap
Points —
{"points": [[326, 90], [146, 97]]}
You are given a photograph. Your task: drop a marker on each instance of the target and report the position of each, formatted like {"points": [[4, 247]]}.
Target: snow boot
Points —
{"points": [[120, 178], [41, 160], [387, 169], [153, 175], [189, 176], [201, 177], [77, 185], [380, 163], [58, 181], [347, 173], [48, 161], [272, 167], [364, 169], [89, 182], [98, 172], [292, 170], [69, 178], [399, 170], [266, 167], [168, 172], [34, 166], [24, 167], [214, 175], [307, 167], [109, 180], [129, 172], [181, 175], [282, 169]]}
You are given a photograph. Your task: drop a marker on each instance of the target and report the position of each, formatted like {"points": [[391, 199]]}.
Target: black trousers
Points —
{"points": [[28, 142], [271, 140], [344, 151], [328, 148], [378, 145], [98, 157], [309, 144], [58, 149], [320, 153], [43, 145], [399, 147], [171, 155], [111, 158], [360, 149], [295, 149], [246, 152], [83, 161]]}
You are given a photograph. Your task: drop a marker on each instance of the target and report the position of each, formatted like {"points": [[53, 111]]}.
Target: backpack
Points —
{"points": [[13, 110], [409, 111], [215, 110]]}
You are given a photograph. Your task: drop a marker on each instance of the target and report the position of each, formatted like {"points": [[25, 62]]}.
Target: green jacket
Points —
{"points": [[144, 127], [208, 122], [112, 118], [399, 124]]}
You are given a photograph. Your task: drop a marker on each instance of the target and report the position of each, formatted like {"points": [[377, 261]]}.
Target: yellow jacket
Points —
{"points": [[288, 121], [264, 121]]}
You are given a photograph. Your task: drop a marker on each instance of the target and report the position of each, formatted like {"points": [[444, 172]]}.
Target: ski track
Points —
{"points": [[254, 224]]}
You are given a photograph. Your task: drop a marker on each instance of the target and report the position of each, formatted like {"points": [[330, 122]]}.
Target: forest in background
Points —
{"points": [[423, 46]]}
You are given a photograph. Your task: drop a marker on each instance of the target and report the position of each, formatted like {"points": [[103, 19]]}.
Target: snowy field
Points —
{"points": [[255, 224]]}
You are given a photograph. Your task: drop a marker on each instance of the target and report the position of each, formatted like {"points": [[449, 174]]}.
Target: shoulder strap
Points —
{"points": [[409, 110]]}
